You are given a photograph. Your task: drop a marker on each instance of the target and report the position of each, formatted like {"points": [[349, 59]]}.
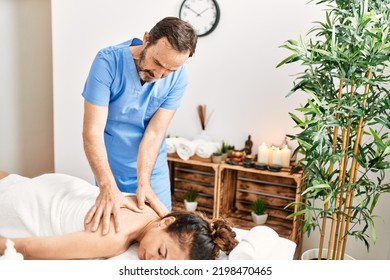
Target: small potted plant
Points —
{"points": [[224, 150], [190, 202], [259, 211], [216, 156]]}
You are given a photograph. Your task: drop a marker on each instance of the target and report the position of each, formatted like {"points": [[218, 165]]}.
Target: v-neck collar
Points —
{"points": [[133, 68]]}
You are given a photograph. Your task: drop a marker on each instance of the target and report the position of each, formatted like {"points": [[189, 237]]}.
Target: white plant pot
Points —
{"points": [[216, 159], [190, 206], [312, 254], [259, 219]]}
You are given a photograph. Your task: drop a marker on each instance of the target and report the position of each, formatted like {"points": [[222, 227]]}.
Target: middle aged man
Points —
{"points": [[131, 94]]}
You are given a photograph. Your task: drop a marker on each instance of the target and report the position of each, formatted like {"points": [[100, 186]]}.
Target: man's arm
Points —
{"points": [[147, 155], [95, 118], [110, 198]]}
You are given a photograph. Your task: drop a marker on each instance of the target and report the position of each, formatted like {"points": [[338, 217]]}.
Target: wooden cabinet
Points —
{"points": [[197, 175], [240, 186], [229, 190]]}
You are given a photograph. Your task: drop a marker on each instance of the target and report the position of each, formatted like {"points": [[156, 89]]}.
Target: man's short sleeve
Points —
{"points": [[172, 102], [97, 87]]}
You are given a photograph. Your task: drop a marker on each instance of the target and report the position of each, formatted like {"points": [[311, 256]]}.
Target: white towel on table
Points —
{"points": [[262, 243], [172, 143], [186, 149], [205, 149]]}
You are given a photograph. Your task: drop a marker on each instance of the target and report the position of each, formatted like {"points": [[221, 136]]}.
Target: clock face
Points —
{"points": [[203, 15]]}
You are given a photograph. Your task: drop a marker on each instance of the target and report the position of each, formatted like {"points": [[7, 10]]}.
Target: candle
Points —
{"points": [[286, 156], [262, 156], [271, 152], [276, 157]]}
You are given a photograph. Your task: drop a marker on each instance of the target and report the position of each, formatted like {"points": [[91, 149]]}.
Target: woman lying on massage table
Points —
{"points": [[44, 217]]}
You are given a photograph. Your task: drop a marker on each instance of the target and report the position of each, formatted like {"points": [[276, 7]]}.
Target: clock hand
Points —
{"points": [[203, 11], [189, 8]]}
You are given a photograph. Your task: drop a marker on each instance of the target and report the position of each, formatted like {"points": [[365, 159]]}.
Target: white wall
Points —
{"points": [[233, 73], [26, 122], [233, 70]]}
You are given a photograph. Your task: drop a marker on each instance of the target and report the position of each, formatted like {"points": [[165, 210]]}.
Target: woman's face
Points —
{"points": [[157, 244]]}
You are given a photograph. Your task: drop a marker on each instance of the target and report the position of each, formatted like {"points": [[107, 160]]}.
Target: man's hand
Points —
{"points": [[108, 203], [147, 155], [146, 194]]}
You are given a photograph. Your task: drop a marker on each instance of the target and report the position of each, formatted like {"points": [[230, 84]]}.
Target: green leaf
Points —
{"points": [[378, 140], [373, 231], [290, 59], [297, 120], [316, 188], [295, 214]]}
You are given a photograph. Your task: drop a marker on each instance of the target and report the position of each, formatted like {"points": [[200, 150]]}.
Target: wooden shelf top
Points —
{"points": [[221, 166], [283, 173], [191, 161]]}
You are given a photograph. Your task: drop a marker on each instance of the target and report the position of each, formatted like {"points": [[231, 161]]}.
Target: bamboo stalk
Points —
{"points": [[336, 129], [342, 177], [355, 165], [338, 217], [340, 195], [326, 205], [323, 228], [340, 203]]}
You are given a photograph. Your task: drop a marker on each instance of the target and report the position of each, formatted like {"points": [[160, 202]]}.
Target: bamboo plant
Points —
{"points": [[344, 126]]}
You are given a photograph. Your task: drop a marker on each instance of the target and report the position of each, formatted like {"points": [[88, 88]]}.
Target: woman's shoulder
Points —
{"points": [[133, 201]]}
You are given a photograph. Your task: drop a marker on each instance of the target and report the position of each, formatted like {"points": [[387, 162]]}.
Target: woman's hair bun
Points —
{"points": [[207, 237], [223, 236]]}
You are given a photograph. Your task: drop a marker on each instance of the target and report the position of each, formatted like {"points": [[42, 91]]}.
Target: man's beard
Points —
{"points": [[144, 74]]}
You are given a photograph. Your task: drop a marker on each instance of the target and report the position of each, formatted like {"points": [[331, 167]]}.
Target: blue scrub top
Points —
{"points": [[113, 81]]}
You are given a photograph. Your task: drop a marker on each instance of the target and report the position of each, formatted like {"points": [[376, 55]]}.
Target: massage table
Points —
{"points": [[260, 242]]}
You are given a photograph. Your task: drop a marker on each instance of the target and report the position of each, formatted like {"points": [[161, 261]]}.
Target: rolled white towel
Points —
{"points": [[205, 149], [243, 251], [259, 238], [285, 250], [172, 143], [186, 149], [262, 242]]}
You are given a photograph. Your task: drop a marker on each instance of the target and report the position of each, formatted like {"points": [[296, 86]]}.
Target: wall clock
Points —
{"points": [[203, 15]]}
